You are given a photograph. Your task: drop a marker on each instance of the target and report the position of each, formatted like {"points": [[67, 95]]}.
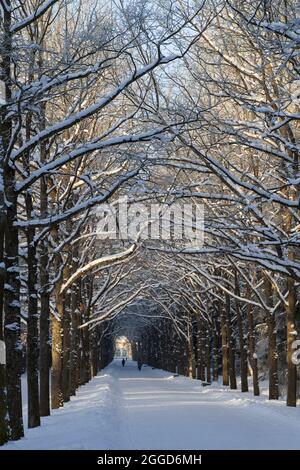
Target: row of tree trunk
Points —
{"points": [[54, 342], [226, 343]]}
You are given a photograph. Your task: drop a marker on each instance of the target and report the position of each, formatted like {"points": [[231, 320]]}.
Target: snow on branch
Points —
{"points": [[89, 203], [289, 30], [105, 261], [85, 150], [33, 17], [116, 309], [75, 118]]}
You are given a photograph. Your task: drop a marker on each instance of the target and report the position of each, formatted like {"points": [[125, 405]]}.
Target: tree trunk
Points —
{"points": [[215, 351], [225, 348], [57, 344], [81, 354], [66, 349], [74, 351], [32, 342], [291, 336], [32, 327], [11, 302], [86, 332], [208, 359], [44, 294], [231, 354], [12, 311], [272, 358], [4, 431], [44, 334], [251, 350], [243, 348], [200, 350], [57, 336], [272, 343], [191, 360]]}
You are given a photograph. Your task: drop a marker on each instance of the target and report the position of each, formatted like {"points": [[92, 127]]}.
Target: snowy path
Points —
{"points": [[150, 409]]}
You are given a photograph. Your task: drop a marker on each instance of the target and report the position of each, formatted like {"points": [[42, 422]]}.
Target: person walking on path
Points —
{"points": [[123, 362], [139, 364]]}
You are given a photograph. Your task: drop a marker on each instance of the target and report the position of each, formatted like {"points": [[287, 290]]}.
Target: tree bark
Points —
{"points": [[57, 336], [44, 293], [191, 359], [200, 350], [208, 358], [44, 333], [57, 345], [4, 430], [272, 343], [231, 354], [291, 336], [66, 349], [225, 347], [32, 327], [215, 351], [12, 334], [74, 350], [251, 349], [12, 311], [32, 350], [243, 348]]}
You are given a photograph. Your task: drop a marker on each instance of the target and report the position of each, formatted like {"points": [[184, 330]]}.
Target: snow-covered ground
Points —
{"points": [[123, 408]]}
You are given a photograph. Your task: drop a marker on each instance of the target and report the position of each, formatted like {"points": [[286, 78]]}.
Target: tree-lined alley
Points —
{"points": [[187, 102]]}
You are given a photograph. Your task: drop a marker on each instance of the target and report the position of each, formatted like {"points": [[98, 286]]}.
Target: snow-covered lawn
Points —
{"points": [[123, 408]]}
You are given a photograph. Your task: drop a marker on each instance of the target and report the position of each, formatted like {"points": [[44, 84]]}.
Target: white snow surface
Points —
{"points": [[123, 408]]}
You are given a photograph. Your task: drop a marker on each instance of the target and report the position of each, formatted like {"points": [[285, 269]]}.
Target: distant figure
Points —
{"points": [[139, 364], [123, 362]]}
